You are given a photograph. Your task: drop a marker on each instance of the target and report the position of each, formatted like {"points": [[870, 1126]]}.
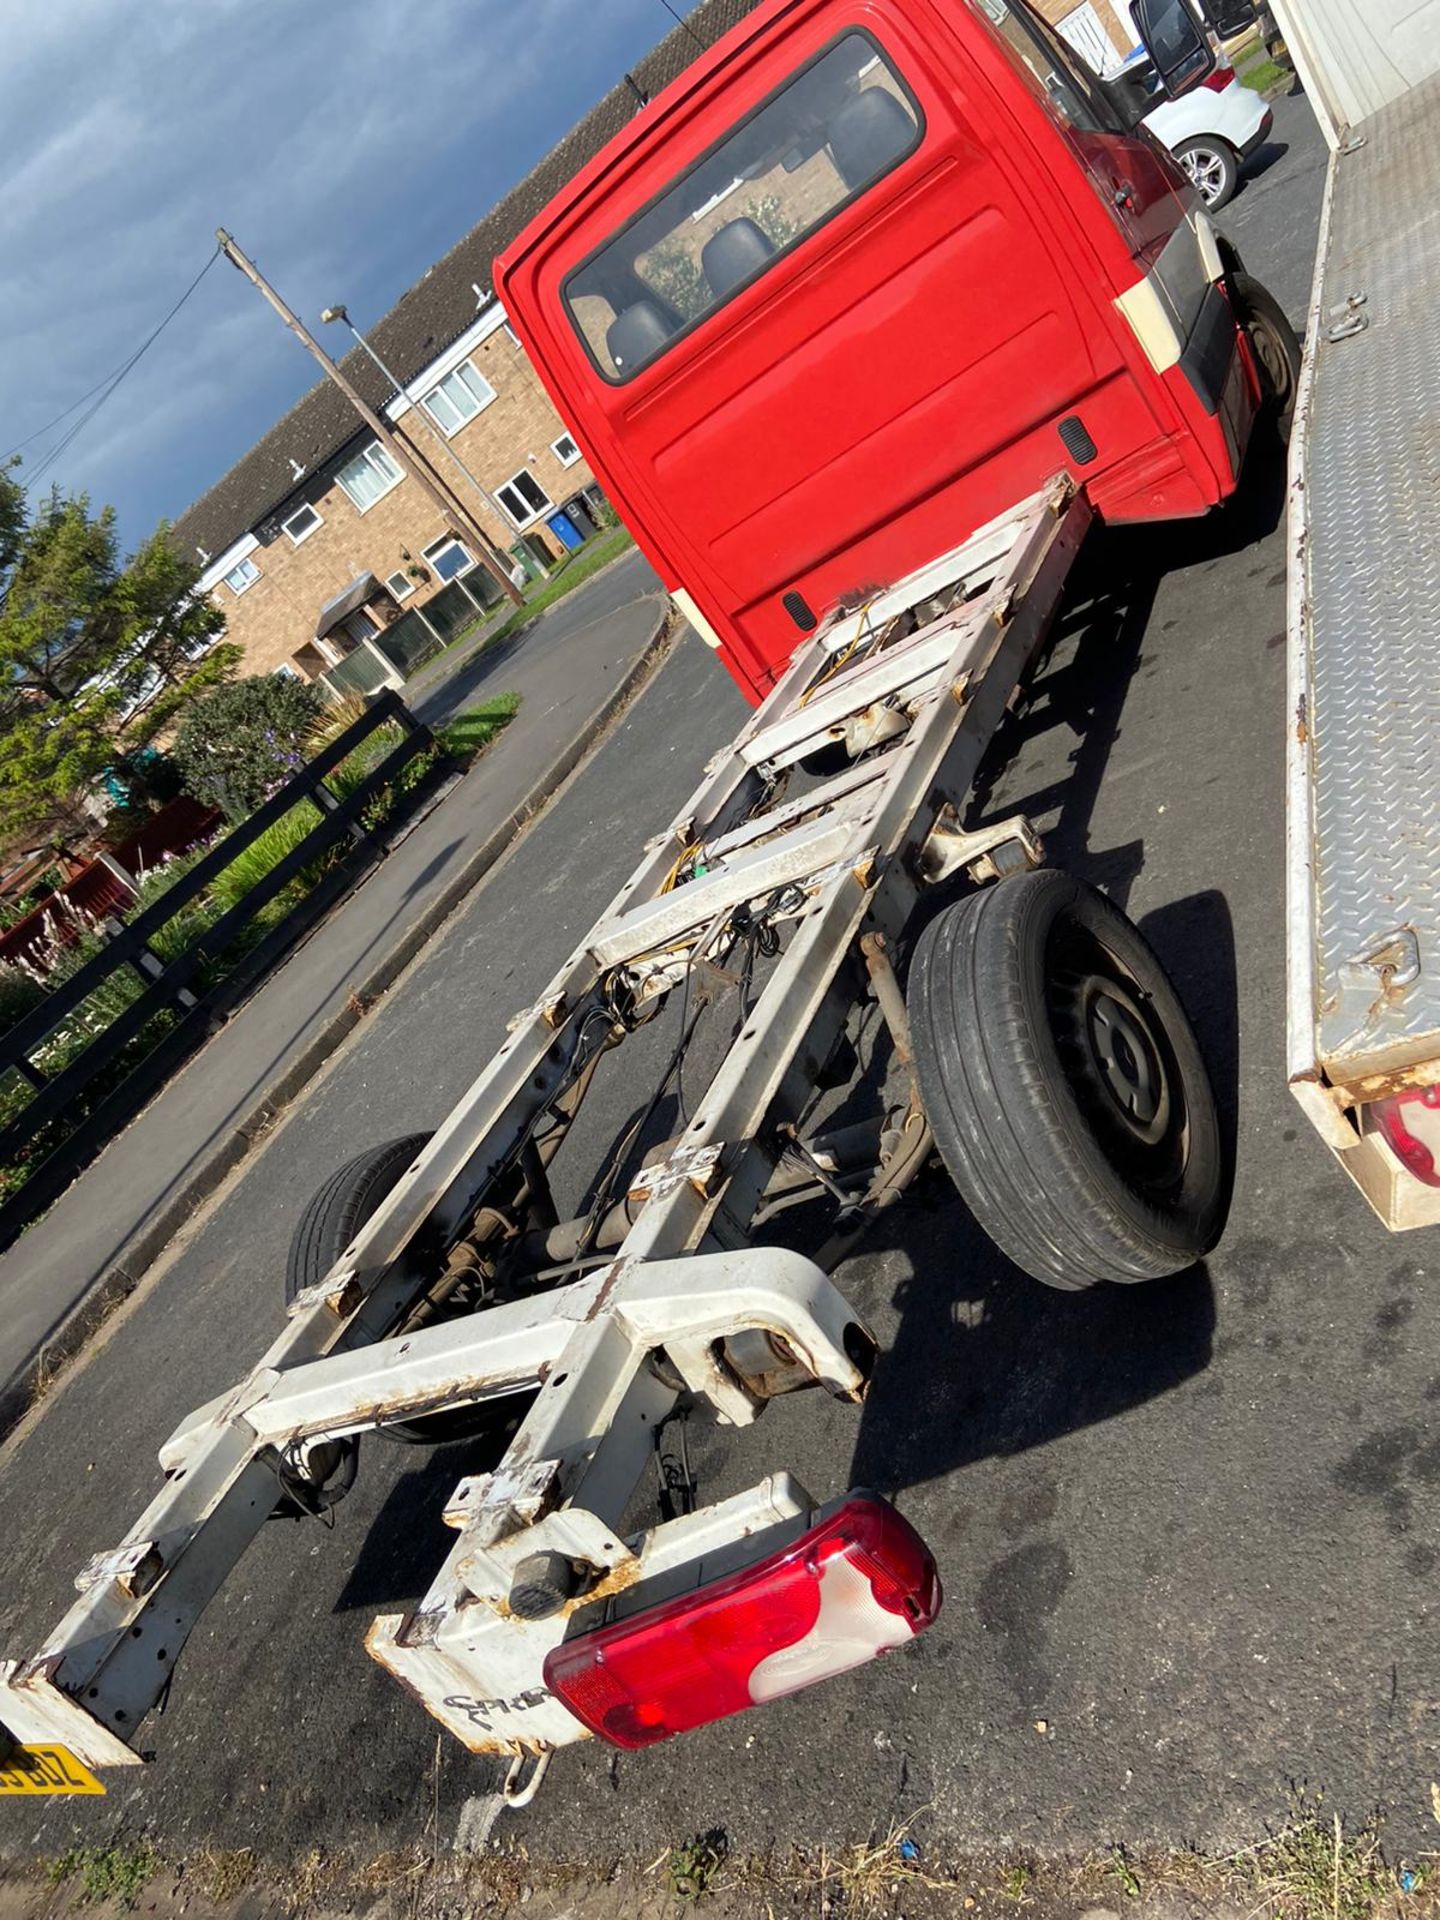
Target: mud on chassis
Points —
{"points": [[1047, 1058]]}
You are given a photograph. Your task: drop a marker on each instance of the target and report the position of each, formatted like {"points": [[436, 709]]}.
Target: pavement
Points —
{"points": [[1188, 1531], [569, 668]]}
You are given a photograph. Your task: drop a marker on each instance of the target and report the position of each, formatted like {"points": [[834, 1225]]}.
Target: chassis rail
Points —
{"points": [[736, 1324]]}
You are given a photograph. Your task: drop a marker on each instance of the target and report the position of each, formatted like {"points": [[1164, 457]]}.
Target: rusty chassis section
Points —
{"points": [[658, 1300]]}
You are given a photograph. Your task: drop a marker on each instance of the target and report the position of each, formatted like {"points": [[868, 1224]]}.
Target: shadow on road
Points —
{"points": [[985, 1360], [1261, 161]]}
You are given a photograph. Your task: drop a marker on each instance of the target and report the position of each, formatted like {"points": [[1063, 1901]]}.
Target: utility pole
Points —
{"points": [[416, 406], [402, 453]]}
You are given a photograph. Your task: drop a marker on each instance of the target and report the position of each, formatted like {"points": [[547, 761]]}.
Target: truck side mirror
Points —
{"points": [[1176, 42]]}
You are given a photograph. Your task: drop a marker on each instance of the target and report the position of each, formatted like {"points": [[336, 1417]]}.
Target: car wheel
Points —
{"points": [[1064, 1085], [336, 1213], [1275, 345], [1213, 167]]}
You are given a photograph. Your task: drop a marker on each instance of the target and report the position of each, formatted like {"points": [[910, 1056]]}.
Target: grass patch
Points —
{"points": [[693, 1867], [222, 1873], [1264, 75], [470, 732], [114, 1873], [1314, 1870]]}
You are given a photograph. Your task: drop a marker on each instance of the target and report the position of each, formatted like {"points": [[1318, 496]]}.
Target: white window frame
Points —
{"points": [[437, 547], [251, 572], [287, 524], [476, 389], [566, 439], [535, 513], [405, 588], [381, 460]]}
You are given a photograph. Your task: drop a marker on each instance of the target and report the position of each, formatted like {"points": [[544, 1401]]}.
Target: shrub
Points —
{"points": [[19, 994], [240, 742]]}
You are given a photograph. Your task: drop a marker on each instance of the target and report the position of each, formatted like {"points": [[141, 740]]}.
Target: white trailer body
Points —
{"points": [[1363, 700]]}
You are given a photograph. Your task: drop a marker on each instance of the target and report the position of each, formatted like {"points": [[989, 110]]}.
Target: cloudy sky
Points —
{"points": [[347, 144]]}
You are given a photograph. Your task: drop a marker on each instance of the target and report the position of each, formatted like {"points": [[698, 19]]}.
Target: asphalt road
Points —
{"points": [[1188, 1527]]}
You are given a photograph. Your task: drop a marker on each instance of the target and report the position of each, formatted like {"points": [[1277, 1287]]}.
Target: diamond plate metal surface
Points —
{"points": [[1373, 582]]}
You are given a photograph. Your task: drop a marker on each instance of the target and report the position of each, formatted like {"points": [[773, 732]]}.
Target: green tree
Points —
{"points": [[97, 655], [237, 744]]}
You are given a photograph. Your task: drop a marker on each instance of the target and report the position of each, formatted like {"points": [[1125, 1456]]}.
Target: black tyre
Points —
{"points": [[1275, 344], [329, 1223], [1064, 1085], [1213, 167], [341, 1207]]}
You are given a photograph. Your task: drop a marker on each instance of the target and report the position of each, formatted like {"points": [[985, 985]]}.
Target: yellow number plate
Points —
{"points": [[44, 1769]]}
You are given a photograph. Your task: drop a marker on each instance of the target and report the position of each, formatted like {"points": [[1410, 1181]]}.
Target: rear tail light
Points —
{"points": [[860, 1582], [1410, 1122], [1219, 80]]}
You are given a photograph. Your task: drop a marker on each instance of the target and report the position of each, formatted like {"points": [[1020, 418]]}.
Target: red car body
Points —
{"points": [[1014, 286]]}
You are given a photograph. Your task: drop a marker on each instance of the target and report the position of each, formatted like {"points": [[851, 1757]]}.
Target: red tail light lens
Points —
{"points": [[859, 1583], [1410, 1122], [1218, 81]]}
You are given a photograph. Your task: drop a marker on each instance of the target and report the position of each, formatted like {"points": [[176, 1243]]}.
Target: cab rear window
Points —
{"points": [[836, 127]]}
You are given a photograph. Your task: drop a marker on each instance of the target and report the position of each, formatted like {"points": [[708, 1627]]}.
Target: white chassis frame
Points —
{"points": [[860, 848]]}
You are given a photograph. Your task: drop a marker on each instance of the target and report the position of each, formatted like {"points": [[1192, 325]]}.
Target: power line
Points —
{"points": [[107, 386], [685, 24]]}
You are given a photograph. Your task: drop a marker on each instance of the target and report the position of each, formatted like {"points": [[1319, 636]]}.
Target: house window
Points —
{"points": [[523, 498], [242, 575], [301, 524], [369, 476], [565, 450], [399, 585], [458, 398], [448, 559]]}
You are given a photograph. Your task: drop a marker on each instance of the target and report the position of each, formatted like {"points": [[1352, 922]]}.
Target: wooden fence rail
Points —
{"points": [[171, 985]]}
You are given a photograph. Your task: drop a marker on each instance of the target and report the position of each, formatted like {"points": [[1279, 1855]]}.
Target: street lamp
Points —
{"points": [[339, 313]]}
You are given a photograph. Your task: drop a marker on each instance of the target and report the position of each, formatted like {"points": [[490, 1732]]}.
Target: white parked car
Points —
{"points": [[1212, 132]]}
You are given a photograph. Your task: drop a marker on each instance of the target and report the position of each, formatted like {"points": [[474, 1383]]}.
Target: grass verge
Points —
{"points": [[1313, 1868], [1264, 75], [470, 732], [116, 1874]]}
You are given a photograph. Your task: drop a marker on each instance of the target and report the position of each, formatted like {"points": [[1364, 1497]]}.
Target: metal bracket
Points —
{"points": [[990, 853], [1346, 318], [1372, 981]]}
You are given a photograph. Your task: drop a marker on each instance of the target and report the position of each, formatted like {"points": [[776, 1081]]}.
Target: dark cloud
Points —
{"points": [[346, 146]]}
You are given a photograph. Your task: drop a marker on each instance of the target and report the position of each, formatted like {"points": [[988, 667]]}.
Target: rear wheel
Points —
{"points": [[1213, 166], [1064, 1085], [336, 1213], [1275, 345]]}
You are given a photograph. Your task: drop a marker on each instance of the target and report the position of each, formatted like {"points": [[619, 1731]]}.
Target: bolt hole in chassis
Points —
{"points": [[675, 1307]]}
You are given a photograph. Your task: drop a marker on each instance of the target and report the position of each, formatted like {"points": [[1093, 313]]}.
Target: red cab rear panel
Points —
{"points": [[862, 278]]}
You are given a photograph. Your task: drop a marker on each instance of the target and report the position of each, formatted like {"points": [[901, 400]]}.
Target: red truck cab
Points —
{"points": [[869, 272]]}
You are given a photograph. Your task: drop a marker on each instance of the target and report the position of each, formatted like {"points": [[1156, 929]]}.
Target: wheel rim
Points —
{"points": [[1273, 360], [1124, 1062], [1117, 1060], [1206, 168]]}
